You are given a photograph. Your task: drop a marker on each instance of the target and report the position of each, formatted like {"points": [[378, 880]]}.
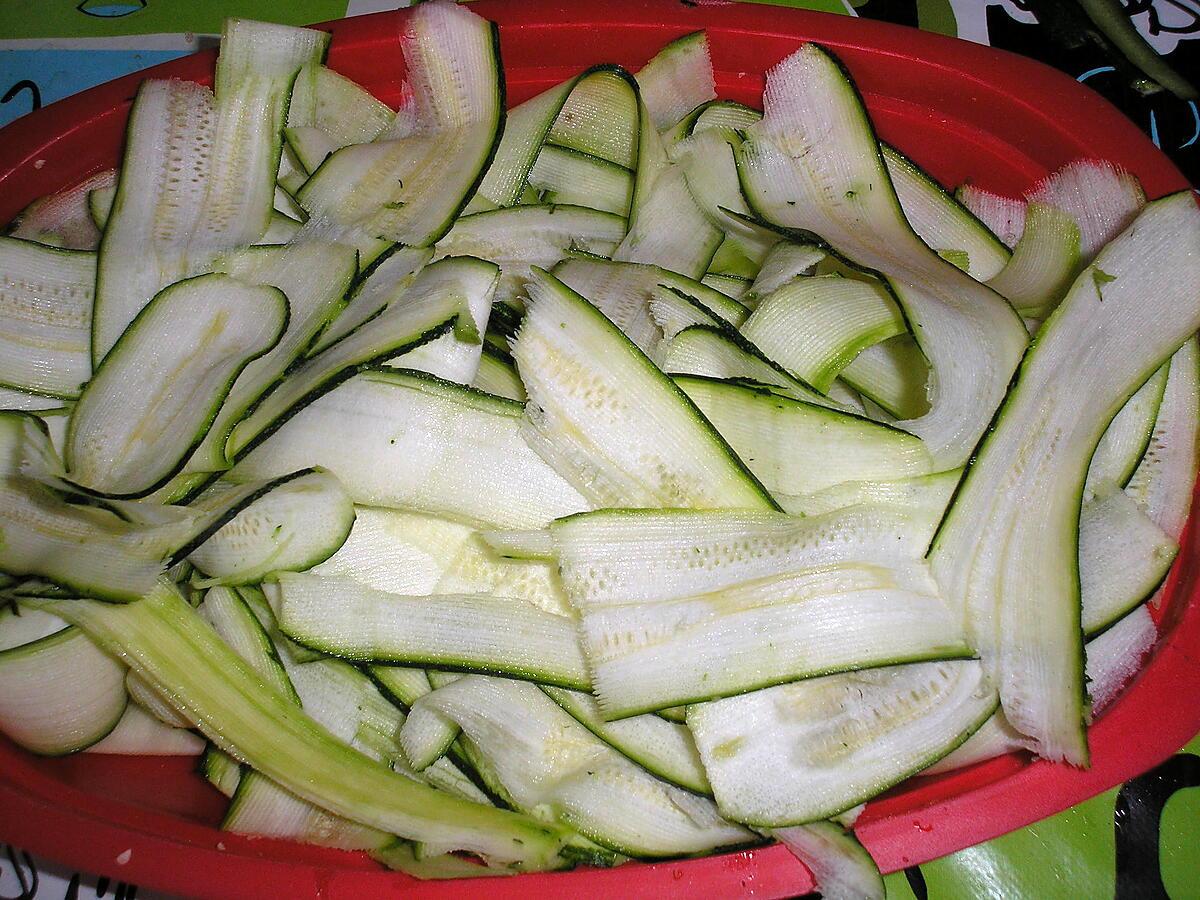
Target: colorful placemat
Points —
{"points": [[1140, 840]]}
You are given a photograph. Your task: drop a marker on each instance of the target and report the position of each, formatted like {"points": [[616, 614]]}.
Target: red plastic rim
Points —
{"points": [[961, 110]]}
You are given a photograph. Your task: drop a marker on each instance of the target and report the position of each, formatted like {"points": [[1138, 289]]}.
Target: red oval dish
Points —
{"points": [[964, 112]]}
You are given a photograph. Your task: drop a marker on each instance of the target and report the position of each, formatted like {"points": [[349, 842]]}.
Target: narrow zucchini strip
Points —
{"points": [[600, 117], [472, 632], [813, 327], [155, 396], [411, 183], [295, 526], [167, 642], [61, 219], [1101, 197], [454, 293], [894, 374], [198, 174], [554, 767], [60, 694], [86, 550], [377, 288], [1044, 262], [622, 291], [840, 865], [404, 440], [794, 447], [1016, 576], [942, 222], [1128, 436], [45, 317], [568, 176], [592, 396], [314, 277], [138, 733], [813, 164], [677, 79]]}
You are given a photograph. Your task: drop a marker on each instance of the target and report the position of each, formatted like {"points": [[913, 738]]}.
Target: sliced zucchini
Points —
{"points": [[62, 219], [409, 185], [600, 117], [498, 375], [1044, 263], [813, 164], [813, 327], [894, 374], [573, 177], [1128, 435], [840, 865], [45, 317], [450, 294], [198, 173], [796, 448], [1100, 196], [590, 389], [942, 222], [59, 693], [166, 641], [294, 527], [1016, 576], [622, 291], [405, 440], [1004, 216], [678, 79], [11, 398], [663, 748], [155, 396], [556, 769], [314, 277], [471, 632], [385, 282], [140, 734], [802, 752]]}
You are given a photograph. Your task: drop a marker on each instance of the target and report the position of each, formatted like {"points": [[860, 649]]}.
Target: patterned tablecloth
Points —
{"points": [[1141, 840]]}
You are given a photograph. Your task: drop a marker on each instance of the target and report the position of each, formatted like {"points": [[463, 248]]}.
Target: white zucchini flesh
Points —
{"points": [[1113, 657], [623, 292], [415, 554], [805, 751], [27, 449], [669, 229], [1101, 197], [45, 317], [167, 642], [794, 447], [1123, 557], [314, 277], [60, 693], [138, 733], [198, 173], [232, 619], [601, 117], [555, 768], [602, 412], [1123, 317], [808, 622], [521, 237], [11, 398], [404, 440], [410, 184], [1044, 262], [88, 551], [677, 79], [61, 219], [893, 374], [721, 354], [497, 375], [1004, 216], [813, 164], [385, 282], [613, 557], [841, 867], [157, 392], [292, 528], [569, 176], [663, 748], [474, 632], [1163, 482], [1127, 437], [928, 495], [346, 112], [783, 262], [814, 326], [426, 736], [941, 221], [455, 293], [20, 626], [154, 702]]}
